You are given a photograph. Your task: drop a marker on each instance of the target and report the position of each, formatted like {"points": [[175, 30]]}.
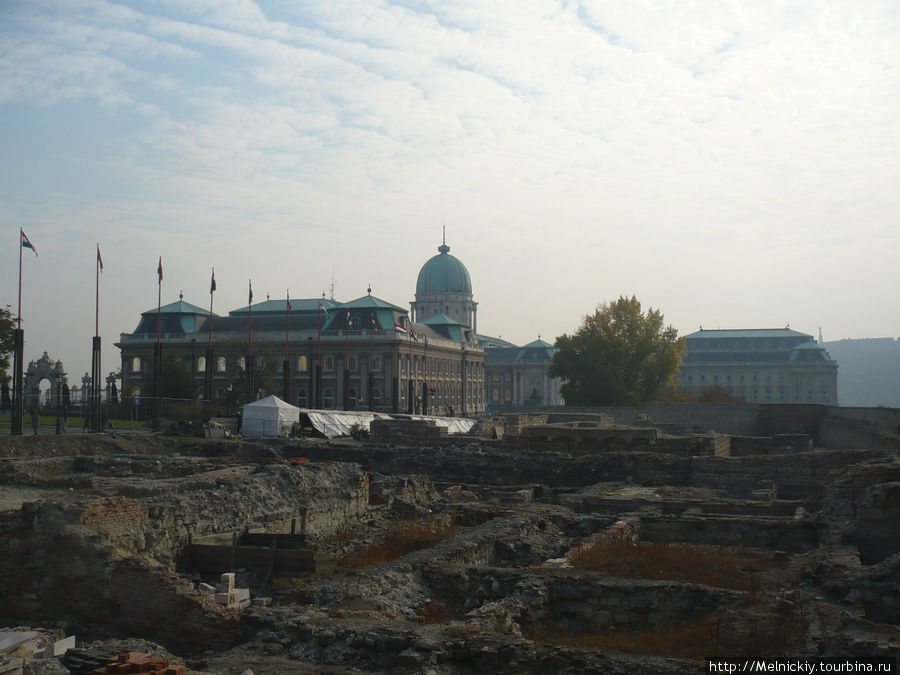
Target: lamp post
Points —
{"points": [[228, 400]]}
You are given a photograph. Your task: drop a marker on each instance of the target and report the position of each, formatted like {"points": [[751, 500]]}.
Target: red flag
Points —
{"points": [[212, 284], [99, 259], [26, 242], [159, 269], [289, 306]]}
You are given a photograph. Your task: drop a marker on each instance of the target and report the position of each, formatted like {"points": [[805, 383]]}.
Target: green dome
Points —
{"points": [[443, 274]]}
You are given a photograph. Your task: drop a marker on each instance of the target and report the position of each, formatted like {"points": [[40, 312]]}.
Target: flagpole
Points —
{"points": [[208, 372], [212, 288], [97, 296], [250, 398], [21, 239], [287, 310], [96, 413], [157, 369]]}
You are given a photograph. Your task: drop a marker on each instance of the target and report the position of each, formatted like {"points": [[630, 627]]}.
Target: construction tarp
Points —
{"points": [[333, 423], [455, 425], [269, 417]]}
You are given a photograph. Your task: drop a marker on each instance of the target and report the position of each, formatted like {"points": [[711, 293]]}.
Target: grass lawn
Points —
{"points": [[76, 424]]}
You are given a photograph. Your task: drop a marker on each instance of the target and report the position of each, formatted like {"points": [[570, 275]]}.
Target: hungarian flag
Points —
{"points": [[412, 333], [324, 311], [399, 328], [159, 269], [250, 283], [26, 242], [289, 306], [99, 259], [212, 283]]}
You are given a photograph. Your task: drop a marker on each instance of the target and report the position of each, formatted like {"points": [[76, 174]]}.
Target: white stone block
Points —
{"points": [[241, 594], [228, 579]]}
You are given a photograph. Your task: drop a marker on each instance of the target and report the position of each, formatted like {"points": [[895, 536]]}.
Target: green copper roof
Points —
{"points": [[179, 307], [537, 350], [747, 333], [443, 274], [370, 302], [279, 306], [441, 320]]}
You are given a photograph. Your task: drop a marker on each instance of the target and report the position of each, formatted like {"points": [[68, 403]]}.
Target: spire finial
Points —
{"points": [[444, 231], [443, 248], [369, 290], [180, 295]]}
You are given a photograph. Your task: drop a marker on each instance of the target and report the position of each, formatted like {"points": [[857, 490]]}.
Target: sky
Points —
{"points": [[733, 164]]}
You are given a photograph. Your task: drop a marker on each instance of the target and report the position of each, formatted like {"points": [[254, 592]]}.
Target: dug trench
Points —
{"points": [[470, 556]]}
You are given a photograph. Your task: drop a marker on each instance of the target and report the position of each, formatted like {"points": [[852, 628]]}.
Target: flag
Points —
{"points": [[250, 283], [412, 333], [26, 242], [349, 320], [324, 310], [374, 322], [99, 258], [399, 328], [289, 306], [426, 340], [212, 283], [159, 269]]}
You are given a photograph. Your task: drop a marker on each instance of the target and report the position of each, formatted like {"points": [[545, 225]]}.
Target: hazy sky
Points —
{"points": [[734, 164]]}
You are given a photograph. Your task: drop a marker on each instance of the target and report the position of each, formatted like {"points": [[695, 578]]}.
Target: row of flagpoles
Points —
{"points": [[95, 412]]}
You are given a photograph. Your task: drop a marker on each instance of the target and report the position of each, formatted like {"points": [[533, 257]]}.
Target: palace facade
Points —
{"points": [[760, 366]]}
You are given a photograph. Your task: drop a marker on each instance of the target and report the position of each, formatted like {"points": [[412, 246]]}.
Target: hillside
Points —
{"points": [[869, 372]]}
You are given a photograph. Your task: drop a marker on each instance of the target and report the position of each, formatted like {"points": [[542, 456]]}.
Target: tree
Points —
{"points": [[619, 356], [7, 326]]}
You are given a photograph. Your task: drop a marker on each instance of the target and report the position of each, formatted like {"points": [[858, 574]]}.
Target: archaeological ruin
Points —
{"points": [[614, 541]]}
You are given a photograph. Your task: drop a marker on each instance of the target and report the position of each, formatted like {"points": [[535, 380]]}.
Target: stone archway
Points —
{"points": [[44, 368]]}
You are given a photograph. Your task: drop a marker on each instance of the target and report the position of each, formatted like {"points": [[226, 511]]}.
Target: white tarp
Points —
{"points": [[269, 417], [455, 425], [333, 423]]}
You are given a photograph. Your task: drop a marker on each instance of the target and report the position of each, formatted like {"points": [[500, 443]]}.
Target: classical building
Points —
{"points": [[513, 375], [760, 366], [362, 354], [445, 288], [519, 375]]}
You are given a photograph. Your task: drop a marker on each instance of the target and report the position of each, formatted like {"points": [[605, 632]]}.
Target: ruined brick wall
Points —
{"points": [[119, 520], [158, 605]]}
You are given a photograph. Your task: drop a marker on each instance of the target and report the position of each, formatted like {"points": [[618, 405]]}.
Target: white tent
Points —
{"points": [[269, 417]]}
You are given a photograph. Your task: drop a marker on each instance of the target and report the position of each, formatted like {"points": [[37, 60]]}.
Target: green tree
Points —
{"points": [[7, 326], [619, 356]]}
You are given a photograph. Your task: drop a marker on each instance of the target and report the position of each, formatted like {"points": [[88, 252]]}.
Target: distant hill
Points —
{"points": [[868, 372]]}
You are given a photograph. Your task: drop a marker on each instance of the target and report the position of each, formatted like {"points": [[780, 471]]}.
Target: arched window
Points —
{"points": [[302, 364], [353, 363], [301, 398], [376, 364], [201, 364], [136, 364], [328, 398], [353, 398], [329, 362], [376, 395], [242, 363], [220, 364]]}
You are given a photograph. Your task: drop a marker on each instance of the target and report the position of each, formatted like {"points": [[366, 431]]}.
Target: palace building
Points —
{"points": [[760, 366], [365, 354]]}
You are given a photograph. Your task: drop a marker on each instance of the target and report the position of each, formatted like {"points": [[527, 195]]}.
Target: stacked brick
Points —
{"points": [[138, 662], [406, 432]]}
